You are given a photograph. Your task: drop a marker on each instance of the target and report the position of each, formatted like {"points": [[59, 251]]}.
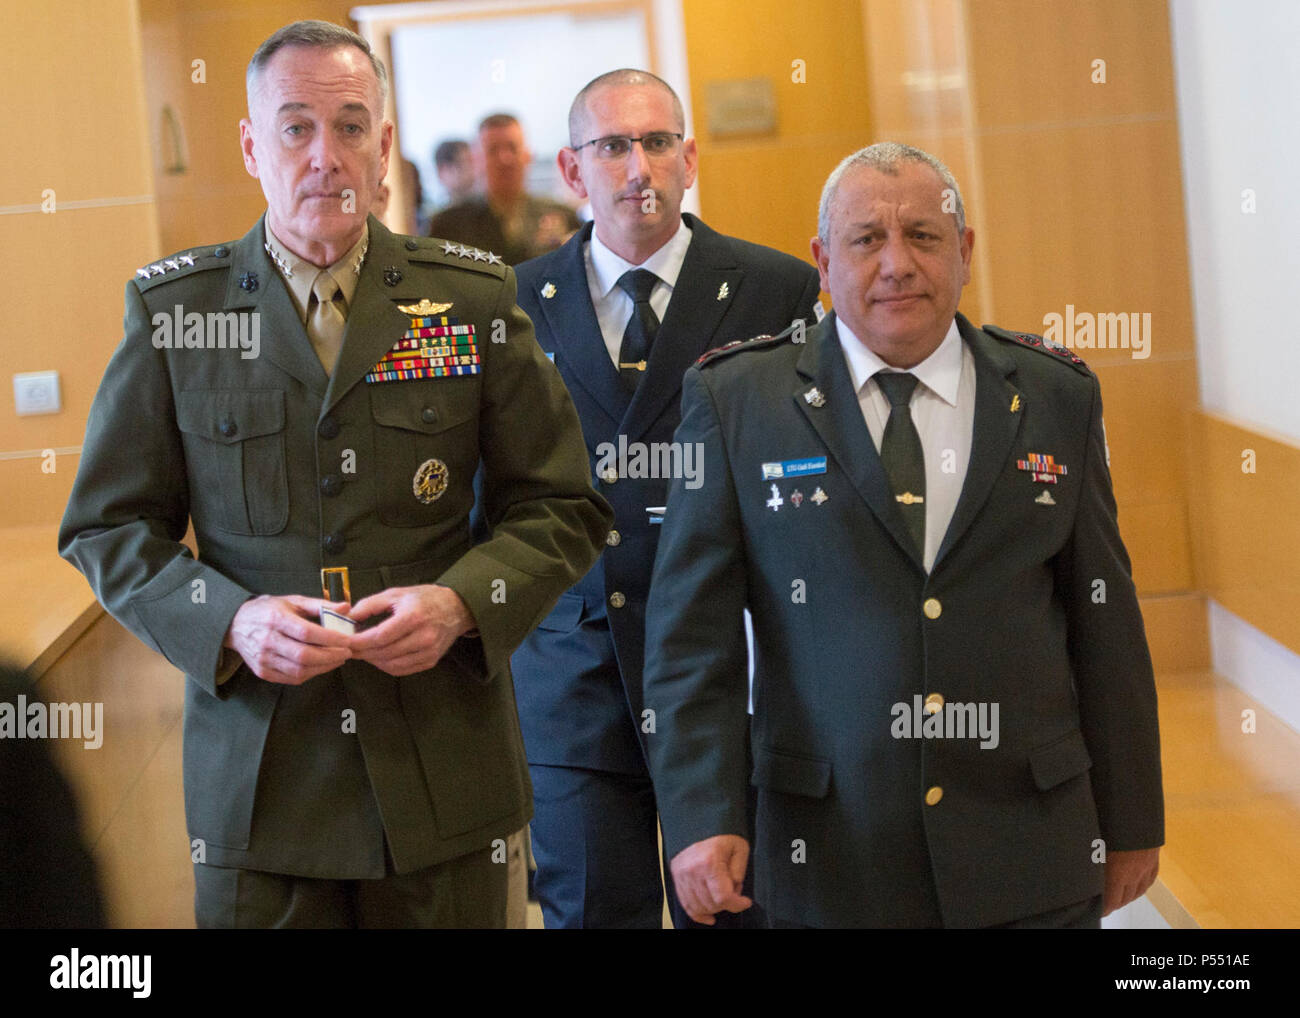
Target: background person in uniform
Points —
{"points": [[649, 287], [505, 219], [919, 516], [336, 780], [455, 165]]}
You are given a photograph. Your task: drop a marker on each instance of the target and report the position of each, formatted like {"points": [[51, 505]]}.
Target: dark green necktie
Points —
{"points": [[641, 327], [900, 452]]}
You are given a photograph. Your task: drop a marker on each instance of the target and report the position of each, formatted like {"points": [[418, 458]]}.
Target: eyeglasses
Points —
{"points": [[618, 146]]}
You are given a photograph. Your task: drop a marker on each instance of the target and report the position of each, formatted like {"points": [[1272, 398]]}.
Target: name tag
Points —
{"points": [[794, 468]]}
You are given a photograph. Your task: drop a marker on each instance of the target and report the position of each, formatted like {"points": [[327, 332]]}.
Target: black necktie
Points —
{"points": [[901, 454], [641, 327]]}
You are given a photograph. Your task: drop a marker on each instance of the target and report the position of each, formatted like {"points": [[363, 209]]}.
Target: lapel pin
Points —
{"points": [[392, 275], [248, 282], [776, 501], [819, 496], [796, 498], [814, 397], [723, 291], [1015, 403], [548, 291], [1045, 498]]}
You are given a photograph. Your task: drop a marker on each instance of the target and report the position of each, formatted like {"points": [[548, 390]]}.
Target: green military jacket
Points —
{"points": [[284, 470]]}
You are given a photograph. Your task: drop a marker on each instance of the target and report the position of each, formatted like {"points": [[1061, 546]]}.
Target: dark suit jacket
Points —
{"points": [[284, 470], [573, 711], [1017, 616]]}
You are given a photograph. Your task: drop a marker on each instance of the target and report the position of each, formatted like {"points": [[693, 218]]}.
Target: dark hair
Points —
{"points": [[447, 152]]}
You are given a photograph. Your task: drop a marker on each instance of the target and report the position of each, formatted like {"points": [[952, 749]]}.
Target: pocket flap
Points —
{"points": [[425, 408], [797, 775], [229, 416], [566, 614], [1059, 760]]}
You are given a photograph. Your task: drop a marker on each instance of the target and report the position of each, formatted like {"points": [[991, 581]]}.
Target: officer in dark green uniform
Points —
{"points": [[316, 399]]}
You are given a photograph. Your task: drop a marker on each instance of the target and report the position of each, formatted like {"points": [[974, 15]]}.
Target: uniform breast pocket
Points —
{"points": [[234, 444], [425, 449]]}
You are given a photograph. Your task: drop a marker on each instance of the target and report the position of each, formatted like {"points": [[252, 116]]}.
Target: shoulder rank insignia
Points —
{"points": [[473, 253], [736, 345], [199, 258], [1041, 344]]}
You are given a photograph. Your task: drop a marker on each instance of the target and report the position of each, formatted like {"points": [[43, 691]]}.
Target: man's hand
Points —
{"points": [[424, 623], [1128, 875], [282, 641], [709, 875]]}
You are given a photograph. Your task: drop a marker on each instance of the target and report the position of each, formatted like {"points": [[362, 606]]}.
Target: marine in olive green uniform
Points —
{"points": [[285, 470]]}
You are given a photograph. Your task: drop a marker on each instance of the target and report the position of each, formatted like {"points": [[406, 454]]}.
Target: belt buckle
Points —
{"points": [[327, 574]]}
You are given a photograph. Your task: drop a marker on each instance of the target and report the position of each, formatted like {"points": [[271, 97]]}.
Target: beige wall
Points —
{"points": [[1074, 193], [765, 188], [75, 115]]}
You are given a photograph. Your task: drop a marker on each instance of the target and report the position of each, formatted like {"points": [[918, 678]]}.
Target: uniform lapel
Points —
{"points": [[705, 288], [374, 322], [283, 338], [840, 424], [575, 332], [996, 427]]}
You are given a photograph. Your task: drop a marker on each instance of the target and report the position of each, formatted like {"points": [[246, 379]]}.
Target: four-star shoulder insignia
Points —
{"points": [[1042, 345], [449, 252], [179, 265]]}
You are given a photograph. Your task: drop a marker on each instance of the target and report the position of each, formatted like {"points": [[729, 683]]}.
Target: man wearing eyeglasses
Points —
{"points": [[624, 308]]}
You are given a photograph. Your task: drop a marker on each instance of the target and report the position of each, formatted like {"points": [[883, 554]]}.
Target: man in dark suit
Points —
{"points": [[335, 778], [954, 711], [624, 308]]}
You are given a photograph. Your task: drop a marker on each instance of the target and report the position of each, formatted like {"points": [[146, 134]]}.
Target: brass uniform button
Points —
{"points": [[613, 539], [933, 796], [617, 600], [932, 608], [609, 476], [933, 703]]}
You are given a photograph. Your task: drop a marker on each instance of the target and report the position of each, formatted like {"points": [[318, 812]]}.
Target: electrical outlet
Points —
{"points": [[37, 392]]}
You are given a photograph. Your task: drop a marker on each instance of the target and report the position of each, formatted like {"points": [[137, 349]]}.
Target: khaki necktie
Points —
{"points": [[325, 321]]}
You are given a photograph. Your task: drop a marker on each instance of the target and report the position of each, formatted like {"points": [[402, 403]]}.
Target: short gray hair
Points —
{"points": [[317, 35], [885, 157], [611, 79]]}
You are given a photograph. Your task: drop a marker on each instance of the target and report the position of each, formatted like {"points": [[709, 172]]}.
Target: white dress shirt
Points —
{"points": [[613, 306], [943, 411]]}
